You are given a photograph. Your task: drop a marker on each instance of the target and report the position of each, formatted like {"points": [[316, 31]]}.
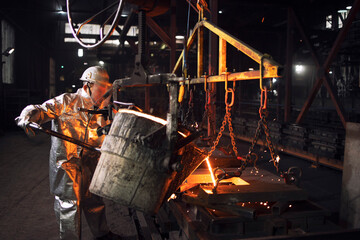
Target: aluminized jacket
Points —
{"points": [[67, 157]]}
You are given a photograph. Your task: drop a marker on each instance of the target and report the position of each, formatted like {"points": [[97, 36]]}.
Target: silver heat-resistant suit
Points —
{"points": [[70, 166]]}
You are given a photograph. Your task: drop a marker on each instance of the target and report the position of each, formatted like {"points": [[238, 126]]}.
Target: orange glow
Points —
{"points": [[182, 134], [173, 196], [210, 170], [144, 115]]}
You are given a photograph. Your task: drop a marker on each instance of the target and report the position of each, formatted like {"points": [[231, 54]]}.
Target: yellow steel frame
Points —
{"points": [[270, 68]]}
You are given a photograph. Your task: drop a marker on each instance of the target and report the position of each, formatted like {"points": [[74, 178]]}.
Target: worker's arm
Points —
{"points": [[40, 113]]}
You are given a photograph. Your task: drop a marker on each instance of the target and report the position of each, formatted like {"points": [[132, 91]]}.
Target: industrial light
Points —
{"points": [[342, 11], [73, 86], [299, 69], [179, 37], [220, 12], [348, 7], [251, 69], [85, 63], [163, 46], [101, 63], [80, 52], [8, 51]]}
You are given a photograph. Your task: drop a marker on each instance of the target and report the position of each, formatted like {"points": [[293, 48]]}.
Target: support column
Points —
{"points": [[172, 35], [200, 52], [213, 46], [2, 95], [350, 201], [289, 63], [222, 56]]}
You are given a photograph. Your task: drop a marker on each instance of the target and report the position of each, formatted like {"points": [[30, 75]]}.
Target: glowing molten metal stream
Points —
{"points": [[210, 170], [144, 115]]}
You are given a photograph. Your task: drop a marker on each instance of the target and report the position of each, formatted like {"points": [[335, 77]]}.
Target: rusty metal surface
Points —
{"points": [[264, 207], [198, 222], [263, 186], [191, 158]]}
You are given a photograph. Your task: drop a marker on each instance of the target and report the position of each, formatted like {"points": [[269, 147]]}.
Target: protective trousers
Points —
{"points": [[68, 211]]}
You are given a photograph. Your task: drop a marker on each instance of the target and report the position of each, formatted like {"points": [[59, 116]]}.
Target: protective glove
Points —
{"points": [[24, 124]]}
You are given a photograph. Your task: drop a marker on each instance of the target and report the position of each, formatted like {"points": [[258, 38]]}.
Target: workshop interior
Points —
{"points": [[231, 119]]}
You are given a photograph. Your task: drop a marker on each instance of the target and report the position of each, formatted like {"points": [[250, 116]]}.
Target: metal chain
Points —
{"points": [[222, 128], [274, 156], [252, 146], [262, 123], [190, 108], [231, 132], [206, 112]]}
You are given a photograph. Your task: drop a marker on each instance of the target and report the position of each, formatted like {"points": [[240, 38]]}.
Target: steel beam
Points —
{"points": [[189, 43], [243, 47], [158, 31], [324, 69], [270, 65], [237, 76]]}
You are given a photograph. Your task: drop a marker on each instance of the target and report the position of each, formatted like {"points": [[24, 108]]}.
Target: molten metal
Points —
{"points": [[144, 115], [210, 170]]}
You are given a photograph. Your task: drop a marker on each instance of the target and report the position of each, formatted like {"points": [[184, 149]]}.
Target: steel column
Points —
{"points": [[200, 52], [288, 67], [222, 56], [173, 34], [213, 39]]}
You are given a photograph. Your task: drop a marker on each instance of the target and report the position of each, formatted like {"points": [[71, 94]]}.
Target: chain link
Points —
{"points": [[231, 132], [222, 128], [190, 108], [262, 123], [274, 156]]}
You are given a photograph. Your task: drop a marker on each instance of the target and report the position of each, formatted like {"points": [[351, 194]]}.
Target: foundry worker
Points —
{"points": [[70, 166]]}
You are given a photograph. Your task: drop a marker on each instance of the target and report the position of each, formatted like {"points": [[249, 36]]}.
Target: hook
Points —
{"points": [[232, 97]]}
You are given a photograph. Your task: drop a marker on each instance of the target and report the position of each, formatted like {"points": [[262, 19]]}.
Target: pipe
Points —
{"points": [[63, 137]]}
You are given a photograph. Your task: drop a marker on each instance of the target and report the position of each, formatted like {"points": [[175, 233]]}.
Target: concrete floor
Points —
{"points": [[26, 206]]}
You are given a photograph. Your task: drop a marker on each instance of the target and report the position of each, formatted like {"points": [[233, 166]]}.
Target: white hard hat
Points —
{"points": [[95, 74]]}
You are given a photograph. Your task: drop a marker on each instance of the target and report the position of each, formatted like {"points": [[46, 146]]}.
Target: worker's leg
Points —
{"points": [[68, 216]]}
